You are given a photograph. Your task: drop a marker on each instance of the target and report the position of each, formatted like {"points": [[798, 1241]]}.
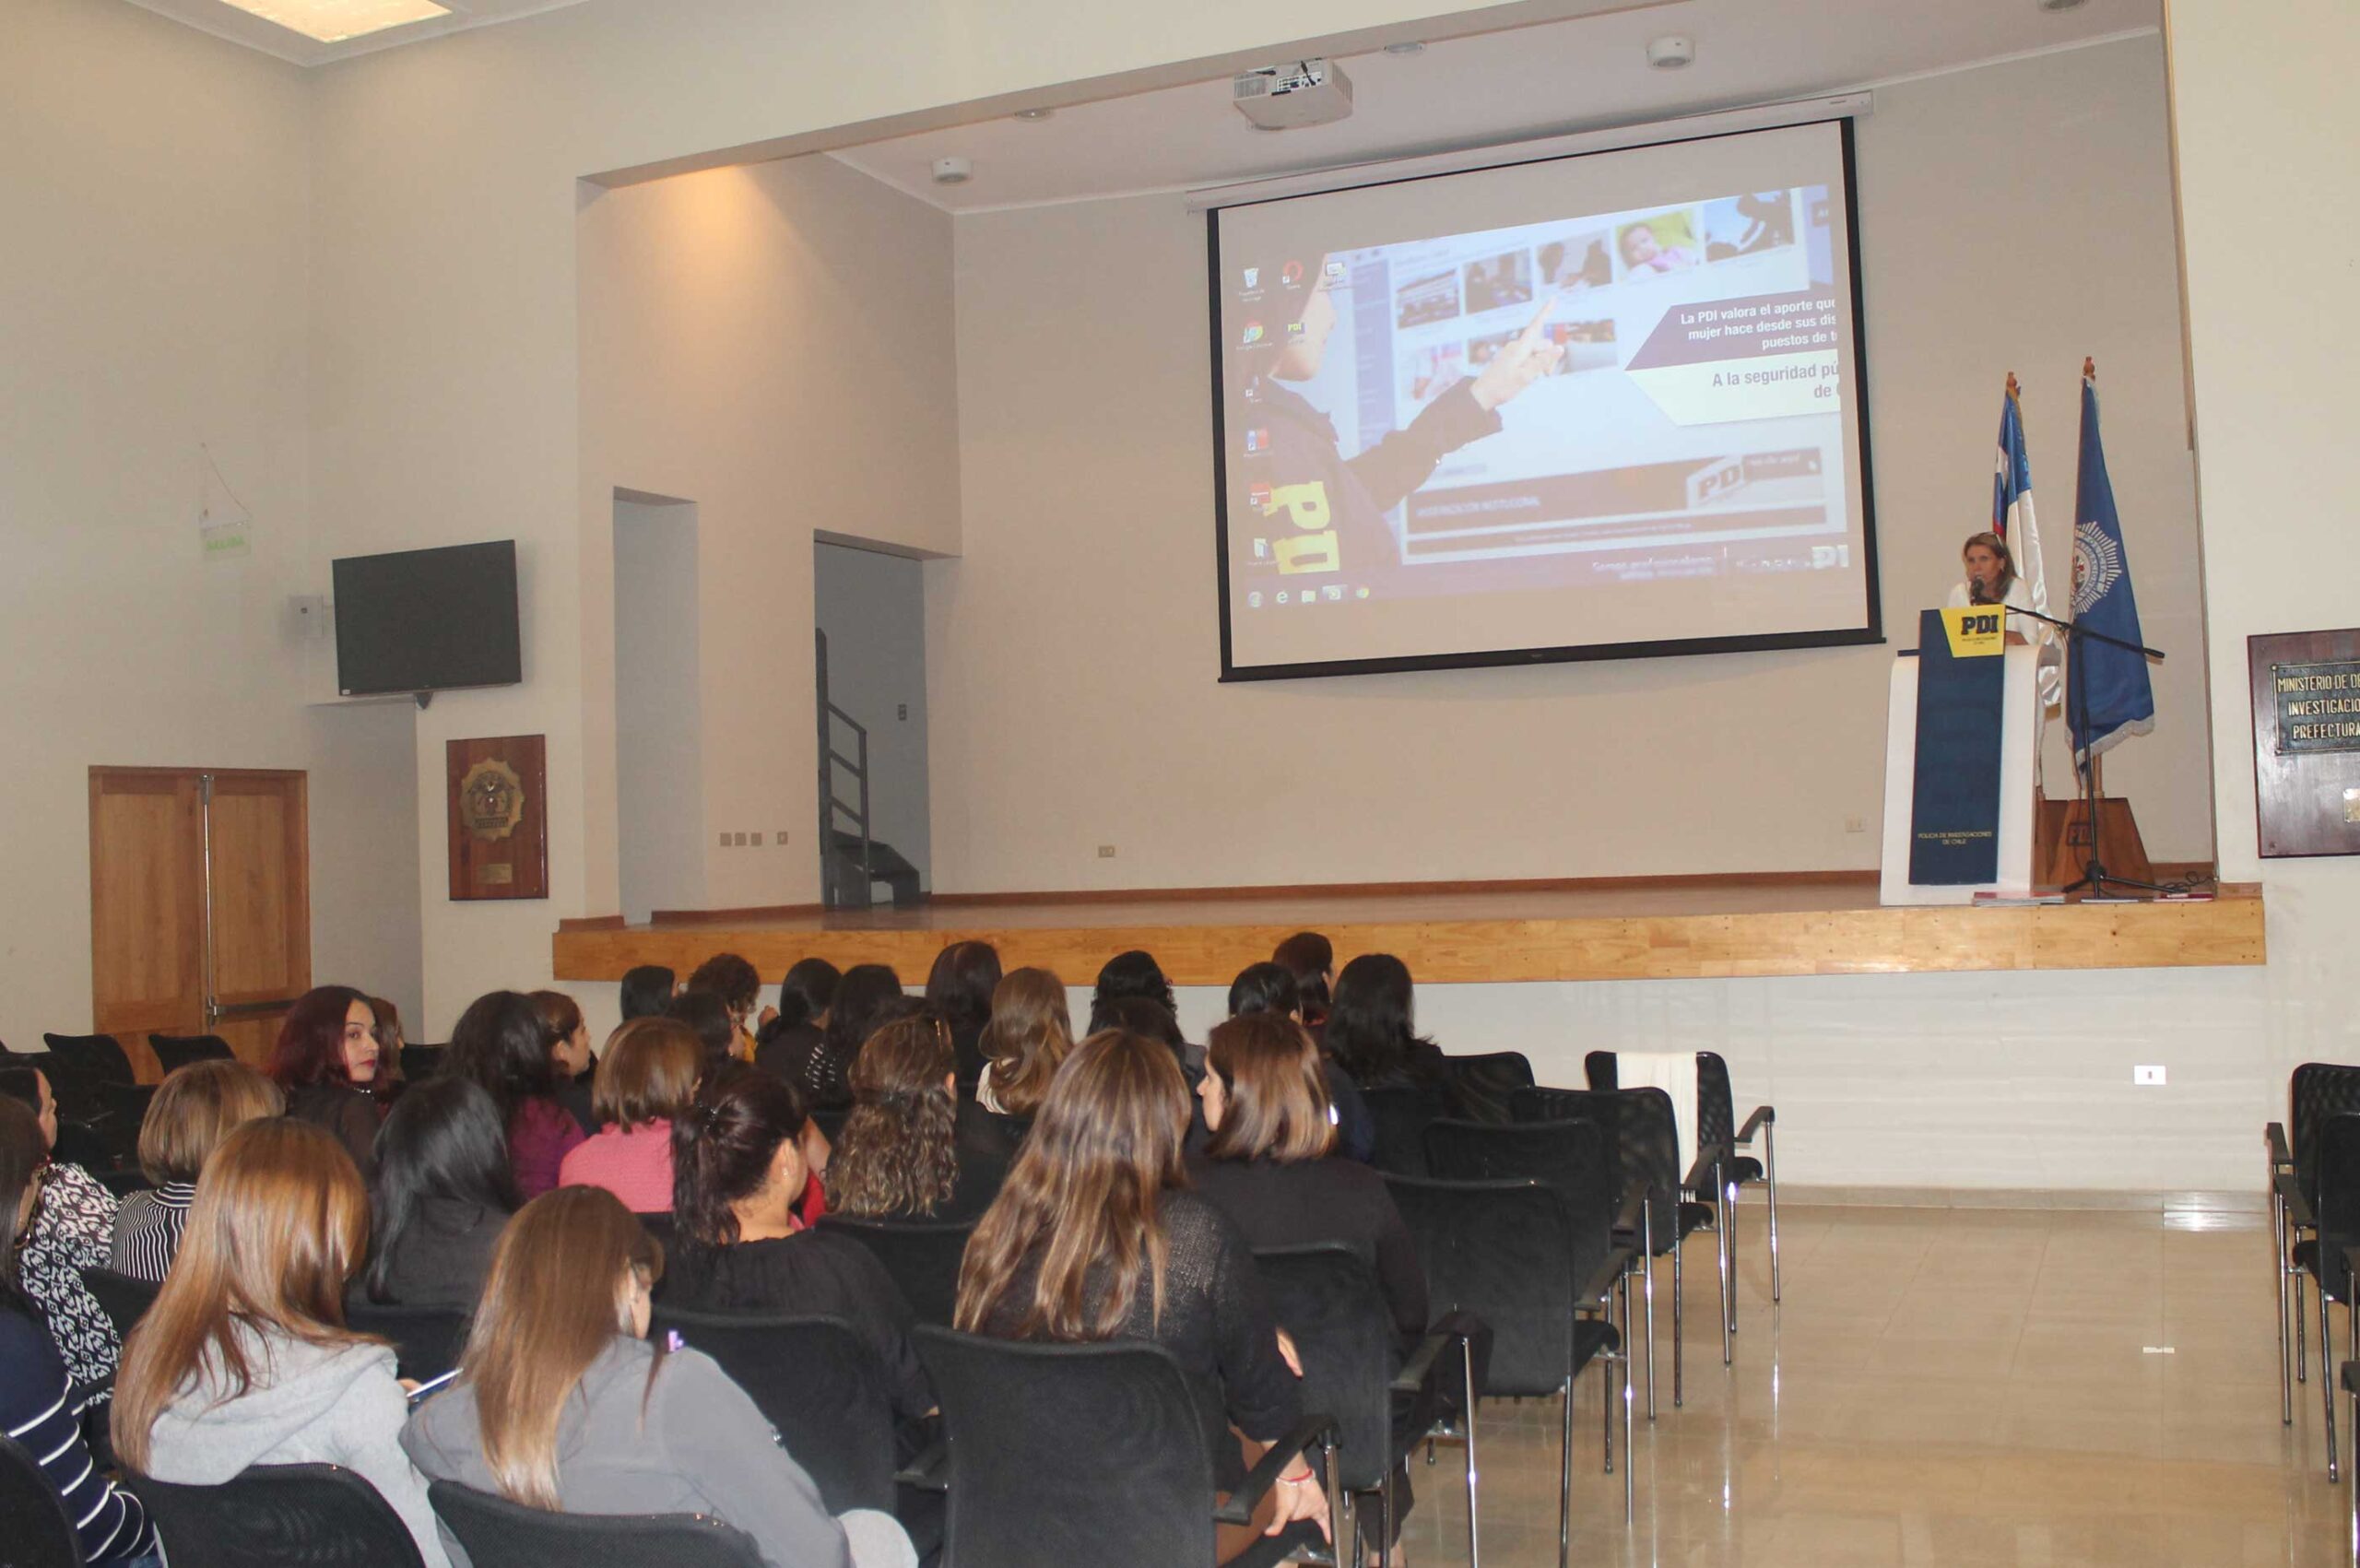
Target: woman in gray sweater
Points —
{"points": [[561, 1403]]}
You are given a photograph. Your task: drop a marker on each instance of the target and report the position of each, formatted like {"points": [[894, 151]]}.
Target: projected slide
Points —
{"points": [[1620, 422]]}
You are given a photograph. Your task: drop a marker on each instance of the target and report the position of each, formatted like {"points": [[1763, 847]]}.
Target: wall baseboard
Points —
{"points": [[2175, 1202]]}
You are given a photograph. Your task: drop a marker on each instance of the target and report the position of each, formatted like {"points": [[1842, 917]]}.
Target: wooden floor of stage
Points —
{"points": [[1665, 929]]}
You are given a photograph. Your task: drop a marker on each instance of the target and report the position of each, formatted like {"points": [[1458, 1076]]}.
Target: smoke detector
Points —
{"points": [[1671, 52], [952, 171], [1287, 98]]}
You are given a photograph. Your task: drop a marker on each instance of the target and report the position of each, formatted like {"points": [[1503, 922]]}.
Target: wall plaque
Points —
{"points": [[2307, 741], [499, 792]]}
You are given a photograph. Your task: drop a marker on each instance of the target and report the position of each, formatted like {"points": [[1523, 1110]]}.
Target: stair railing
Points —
{"points": [[856, 765]]}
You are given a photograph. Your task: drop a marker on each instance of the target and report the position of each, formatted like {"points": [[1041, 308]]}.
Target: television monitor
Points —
{"points": [[427, 621]]}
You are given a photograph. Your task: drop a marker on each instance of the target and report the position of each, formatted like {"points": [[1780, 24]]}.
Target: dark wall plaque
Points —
{"points": [[500, 834], [2307, 741]]}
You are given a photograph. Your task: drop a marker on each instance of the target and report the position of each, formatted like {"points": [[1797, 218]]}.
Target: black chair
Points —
{"points": [[661, 1227], [177, 1051], [2315, 1091], [1326, 1296], [2333, 1219], [420, 1061], [117, 1111], [818, 1383], [1401, 1114], [97, 1056], [497, 1533], [1646, 1165], [41, 1533], [1716, 1125], [831, 1121], [123, 1299], [2350, 1378], [1542, 1274], [1090, 1453], [1486, 1084], [426, 1340], [278, 1517], [922, 1255]]}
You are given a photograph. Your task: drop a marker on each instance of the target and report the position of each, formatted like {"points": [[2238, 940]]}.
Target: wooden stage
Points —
{"points": [[1659, 928]]}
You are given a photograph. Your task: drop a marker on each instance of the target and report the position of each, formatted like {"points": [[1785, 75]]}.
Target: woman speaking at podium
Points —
{"points": [[1991, 580]]}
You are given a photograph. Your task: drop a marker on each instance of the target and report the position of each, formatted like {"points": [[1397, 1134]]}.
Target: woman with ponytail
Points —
{"points": [[737, 1168], [900, 1155], [562, 1403]]}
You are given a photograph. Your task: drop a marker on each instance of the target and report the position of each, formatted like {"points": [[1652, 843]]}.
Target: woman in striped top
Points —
{"points": [[37, 1404], [192, 1111]]}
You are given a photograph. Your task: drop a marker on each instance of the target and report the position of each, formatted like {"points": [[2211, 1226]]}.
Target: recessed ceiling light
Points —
{"points": [[332, 21], [1035, 116], [1671, 52], [1410, 46]]}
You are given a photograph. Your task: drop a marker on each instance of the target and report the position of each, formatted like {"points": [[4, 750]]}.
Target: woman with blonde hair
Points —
{"points": [[1096, 1237], [561, 1403], [194, 1108], [1028, 1037], [646, 1082], [900, 1155], [244, 1359]]}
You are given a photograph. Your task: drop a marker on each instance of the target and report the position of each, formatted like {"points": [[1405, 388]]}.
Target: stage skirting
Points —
{"points": [[1677, 928]]}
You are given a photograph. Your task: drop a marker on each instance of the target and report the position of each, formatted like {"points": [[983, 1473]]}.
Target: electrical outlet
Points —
{"points": [[1855, 824], [737, 839], [1105, 852], [758, 840], [901, 710], [724, 840], [781, 837], [2149, 1076]]}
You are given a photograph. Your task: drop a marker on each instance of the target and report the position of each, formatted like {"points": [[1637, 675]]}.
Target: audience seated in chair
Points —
{"points": [[38, 1405], [902, 1155], [740, 988], [737, 1168], [1311, 959], [1372, 1033], [195, 1109], [1095, 1236], [647, 989], [787, 1042], [442, 1192], [1272, 988], [646, 1082], [561, 1404], [1028, 1037], [72, 1229], [326, 1062], [244, 1359], [960, 987], [501, 1044], [574, 1067]]}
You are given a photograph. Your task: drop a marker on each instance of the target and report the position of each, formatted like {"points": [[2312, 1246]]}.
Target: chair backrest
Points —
{"points": [[1326, 1296], [40, 1533], [2316, 1091], [278, 1517], [818, 1383], [1485, 1084], [2338, 1204], [922, 1255], [1069, 1454], [426, 1340], [1576, 1158], [420, 1061], [1601, 1071], [497, 1533], [1502, 1251], [662, 1227], [175, 1051], [831, 1120], [123, 1299], [1639, 1126], [98, 1056], [1400, 1114], [1715, 1104]]}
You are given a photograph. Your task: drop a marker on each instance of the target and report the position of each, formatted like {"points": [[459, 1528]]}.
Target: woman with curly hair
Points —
{"points": [[900, 1155]]}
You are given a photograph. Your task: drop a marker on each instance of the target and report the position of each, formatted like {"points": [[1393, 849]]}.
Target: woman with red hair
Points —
{"points": [[325, 1061]]}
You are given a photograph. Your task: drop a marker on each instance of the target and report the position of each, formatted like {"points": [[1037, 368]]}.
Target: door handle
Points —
{"points": [[215, 1012]]}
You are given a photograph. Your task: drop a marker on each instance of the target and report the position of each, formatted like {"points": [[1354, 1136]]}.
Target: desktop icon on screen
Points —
{"points": [[1282, 596], [1334, 271], [1291, 274], [1257, 440], [1333, 591], [1252, 276], [1258, 496], [1252, 334], [1254, 599]]}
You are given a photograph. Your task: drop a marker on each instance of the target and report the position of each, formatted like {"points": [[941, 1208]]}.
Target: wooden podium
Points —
{"points": [[2017, 822]]}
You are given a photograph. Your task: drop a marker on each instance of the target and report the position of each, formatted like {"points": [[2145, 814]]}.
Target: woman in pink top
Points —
{"points": [[502, 1045], [646, 1077]]}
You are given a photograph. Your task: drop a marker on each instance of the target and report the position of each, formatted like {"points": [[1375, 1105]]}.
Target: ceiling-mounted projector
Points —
{"points": [[1285, 98]]}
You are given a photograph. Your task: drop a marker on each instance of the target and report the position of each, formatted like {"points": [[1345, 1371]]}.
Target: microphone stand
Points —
{"points": [[2094, 875]]}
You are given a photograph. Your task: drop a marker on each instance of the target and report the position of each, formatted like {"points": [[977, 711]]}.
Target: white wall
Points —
{"points": [[872, 606], [659, 708], [1086, 566], [155, 296]]}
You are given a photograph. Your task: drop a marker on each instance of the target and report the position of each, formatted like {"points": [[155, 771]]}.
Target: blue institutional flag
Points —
{"points": [[2110, 696], [2013, 520]]}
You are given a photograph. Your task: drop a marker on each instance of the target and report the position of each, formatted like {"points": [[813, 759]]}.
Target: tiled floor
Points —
{"points": [[1940, 1387]]}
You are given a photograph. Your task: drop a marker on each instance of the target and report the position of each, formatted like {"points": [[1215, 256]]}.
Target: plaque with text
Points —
{"points": [[499, 791], [2307, 741]]}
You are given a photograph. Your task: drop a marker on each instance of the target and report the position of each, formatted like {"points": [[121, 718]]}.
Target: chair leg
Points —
{"points": [[1566, 1483], [2352, 1530], [1728, 1245], [1647, 1250], [2301, 1350], [1676, 1250], [1725, 1258], [1467, 1372], [2278, 1268], [2327, 1383], [1770, 1175], [1630, 1448], [1385, 1520]]}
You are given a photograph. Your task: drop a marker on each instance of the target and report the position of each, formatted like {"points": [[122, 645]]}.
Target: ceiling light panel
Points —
{"points": [[332, 21]]}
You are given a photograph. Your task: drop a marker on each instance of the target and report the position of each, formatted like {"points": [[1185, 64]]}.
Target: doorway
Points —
{"points": [[659, 708], [876, 834], [200, 905]]}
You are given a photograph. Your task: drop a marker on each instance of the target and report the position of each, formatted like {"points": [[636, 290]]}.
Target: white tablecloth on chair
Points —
{"points": [[1674, 1072]]}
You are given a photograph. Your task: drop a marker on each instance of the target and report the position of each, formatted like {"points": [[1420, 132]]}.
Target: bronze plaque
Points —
{"points": [[499, 791], [2306, 689]]}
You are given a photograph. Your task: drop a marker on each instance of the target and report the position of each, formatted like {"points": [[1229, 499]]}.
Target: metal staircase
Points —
{"points": [[852, 862]]}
